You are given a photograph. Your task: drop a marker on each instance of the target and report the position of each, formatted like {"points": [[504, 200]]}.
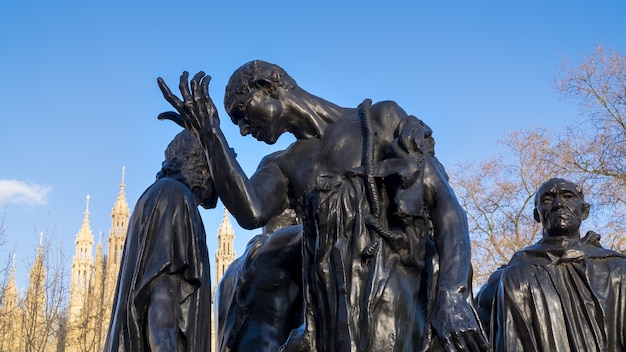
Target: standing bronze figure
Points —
{"points": [[564, 293], [163, 297], [386, 252]]}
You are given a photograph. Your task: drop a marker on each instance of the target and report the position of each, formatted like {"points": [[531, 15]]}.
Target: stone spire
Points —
{"points": [[225, 253], [121, 205], [98, 270], [100, 313], [11, 314], [82, 266], [10, 294], [120, 215], [85, 236], [35, 301]]}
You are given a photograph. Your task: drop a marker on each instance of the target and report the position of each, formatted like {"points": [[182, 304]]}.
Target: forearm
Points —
{"points": [[453, 245], [251, 203]]}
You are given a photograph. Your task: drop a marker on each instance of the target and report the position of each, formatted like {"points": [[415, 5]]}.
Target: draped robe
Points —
{"points": [[379, 302], [560, 295], [165, 237]]}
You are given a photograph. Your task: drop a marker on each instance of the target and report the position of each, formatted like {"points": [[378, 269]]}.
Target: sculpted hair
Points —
{"points": [[184, 159], [247, 79]]}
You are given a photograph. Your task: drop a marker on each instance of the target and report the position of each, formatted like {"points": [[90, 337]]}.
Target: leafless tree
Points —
{"points": [[498, 193], [33, 324], [596, 145]]}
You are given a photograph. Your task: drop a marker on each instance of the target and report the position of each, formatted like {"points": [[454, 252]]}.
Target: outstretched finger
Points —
{"points": [[170, 115], [200, 99], [184, 86], [167, 94], [195, 82], [208, 105], [204, 85]]}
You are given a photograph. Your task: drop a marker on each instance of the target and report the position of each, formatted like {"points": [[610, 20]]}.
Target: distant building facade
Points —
{"points": [[224, 256], [92, 287], [94, 279]]}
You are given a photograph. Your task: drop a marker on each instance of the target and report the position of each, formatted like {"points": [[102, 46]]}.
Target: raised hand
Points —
{"points": [[196, 111]]}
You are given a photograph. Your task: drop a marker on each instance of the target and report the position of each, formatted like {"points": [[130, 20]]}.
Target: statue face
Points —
{"points": [[205, 193], [263, 118], [198, 178], [560, 208]]}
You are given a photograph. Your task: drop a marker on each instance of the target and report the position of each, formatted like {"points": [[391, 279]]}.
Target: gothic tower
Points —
{"points": [[10, 322], [94, 280], [9, 293], [81, 268], [120, 216], [101, 312], [35, 302], [225, 253]]}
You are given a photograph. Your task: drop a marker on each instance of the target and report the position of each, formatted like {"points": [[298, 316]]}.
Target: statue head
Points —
{"points": [[185, 161], [560, 207], [250, 79]]}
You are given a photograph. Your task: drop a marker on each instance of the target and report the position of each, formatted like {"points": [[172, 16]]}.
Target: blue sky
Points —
{"points": [[79, 99]]}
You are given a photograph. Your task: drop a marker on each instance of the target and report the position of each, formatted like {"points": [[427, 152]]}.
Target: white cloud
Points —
{"points": [[14, 191]]}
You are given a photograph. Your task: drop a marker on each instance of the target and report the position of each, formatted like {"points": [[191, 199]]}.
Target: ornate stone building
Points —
{"points": [[94, 279], [26, 318], [25, 321], [224, 255], [10, 321]]}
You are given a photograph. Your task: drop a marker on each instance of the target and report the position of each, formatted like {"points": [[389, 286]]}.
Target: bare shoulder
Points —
{"points": [[387, 113], [274, 158], [388, 106], [436, 185]]}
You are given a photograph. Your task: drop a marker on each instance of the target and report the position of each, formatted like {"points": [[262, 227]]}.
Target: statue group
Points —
{"points": [[364, 245]]}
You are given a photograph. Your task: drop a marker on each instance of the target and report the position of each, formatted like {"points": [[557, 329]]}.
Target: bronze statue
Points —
{"points": [[163, 296], [386, 252], [259, 298], [564, 293]]}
